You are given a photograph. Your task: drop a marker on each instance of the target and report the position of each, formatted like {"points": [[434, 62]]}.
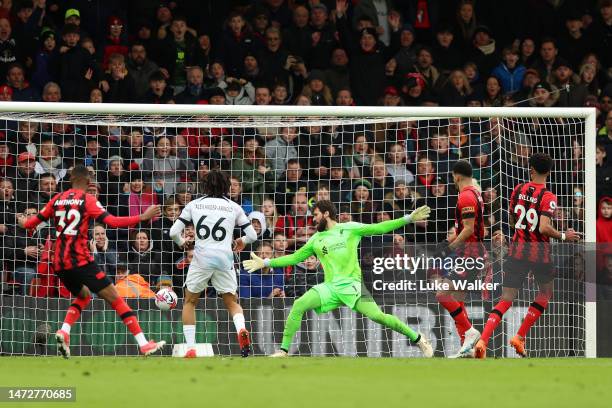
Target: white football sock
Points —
{"points": [[66, 327], [239, 322], [141, 339], [189, 330]]}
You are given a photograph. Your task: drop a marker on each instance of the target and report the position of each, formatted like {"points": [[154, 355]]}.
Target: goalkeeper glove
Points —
{"points": [[255, 263], [420, 214], [442, 249]]}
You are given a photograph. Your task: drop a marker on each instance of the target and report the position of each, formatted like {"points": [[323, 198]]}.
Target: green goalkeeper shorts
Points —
{"points": [[338, 293]]}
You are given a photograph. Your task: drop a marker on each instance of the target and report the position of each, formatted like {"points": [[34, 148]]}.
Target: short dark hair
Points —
{"points": [[293, 161], [79, 171], [216, 184], [157, 76], [463, 168], [542, 163], [326, 205]]}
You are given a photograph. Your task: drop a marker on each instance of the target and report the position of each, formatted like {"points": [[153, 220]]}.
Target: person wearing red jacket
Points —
{"points": [[73, 262]]}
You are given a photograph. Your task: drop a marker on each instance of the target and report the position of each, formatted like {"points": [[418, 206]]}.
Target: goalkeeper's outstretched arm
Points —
{"points": [[384, 227], [298, 256]]}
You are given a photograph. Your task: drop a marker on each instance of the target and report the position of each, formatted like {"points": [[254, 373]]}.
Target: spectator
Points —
{"points": [[10, 49], [604, 136], [52, 92], [572, 94], [27, 251], [22, 91], [166, 163], [299, 34], [306, 275], [337, 75], [282, 149], [78, 74], [397, 164], [121, 86], [493, 92], [484, 52], [573, 43], [399, 200], [527, 50], [323, 35], [160, 228], [9, 207], [140, 68], [268, 208], [466, 22], [360, 161], [253, 170], [142, 259], [250, 69], [366, 60], [235, 194], [138, 199], [103, 251], [297, 223], [316, 90], [46, 61], [425, 175], [588, 78], [424, 66], [194, 91], [544, 95], [177, 53], [184, 193], [447, 53], [510, 73], [49, 160], [288, 185], [360, 199], [599, 32], [239, 92], [159, 91], [345, 98], [280, 96], [235, 43], [382, 182], [264, 283], [457, 89], [25, 177], [548, 56], [262, 95], [115, 42], [603, 172]]}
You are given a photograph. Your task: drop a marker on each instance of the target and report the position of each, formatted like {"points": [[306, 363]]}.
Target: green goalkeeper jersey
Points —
{"points": [[337, 247]]}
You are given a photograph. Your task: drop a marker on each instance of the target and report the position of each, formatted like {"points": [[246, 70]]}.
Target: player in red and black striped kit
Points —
{"points": [[72, 211], [469, 224], [532, 208]]}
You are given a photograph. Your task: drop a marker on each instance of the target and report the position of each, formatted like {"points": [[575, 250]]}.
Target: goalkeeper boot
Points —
{"points": [[63, 343], [191, 353], [471, 337], [480, 350], [244, 340], [279, 353], [152, 347], [518, 343], [425, 346]]}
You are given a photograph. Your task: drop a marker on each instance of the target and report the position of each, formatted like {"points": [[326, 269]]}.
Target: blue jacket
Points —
{"points": [[511, 80], [257, 285]]}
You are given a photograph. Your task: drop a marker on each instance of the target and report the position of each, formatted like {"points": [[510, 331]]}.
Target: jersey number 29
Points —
{"points": [[218, 233], [531, 216]]}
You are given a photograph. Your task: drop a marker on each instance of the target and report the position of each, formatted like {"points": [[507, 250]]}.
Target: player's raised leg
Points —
{"points": [[235, 310], [130, 320], [308, 301], [62, 336], [189, 321], [370, 309]]}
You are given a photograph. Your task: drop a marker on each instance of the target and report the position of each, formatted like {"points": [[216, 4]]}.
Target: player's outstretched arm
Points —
{"points": [[250, 236], [420, 214], [546, 228], [122, 222], [255, 263]]}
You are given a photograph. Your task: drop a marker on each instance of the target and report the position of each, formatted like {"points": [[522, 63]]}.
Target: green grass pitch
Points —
{"points": [[316, 382]]}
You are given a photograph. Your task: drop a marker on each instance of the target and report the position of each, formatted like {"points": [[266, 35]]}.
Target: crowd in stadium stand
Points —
{"points": [[288, 52]]}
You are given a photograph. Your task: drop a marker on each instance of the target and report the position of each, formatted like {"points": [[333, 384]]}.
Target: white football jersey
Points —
{"points": [[214, 220]]}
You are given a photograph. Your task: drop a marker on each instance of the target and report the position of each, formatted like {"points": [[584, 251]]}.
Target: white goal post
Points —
{"points": [[581, 121]]}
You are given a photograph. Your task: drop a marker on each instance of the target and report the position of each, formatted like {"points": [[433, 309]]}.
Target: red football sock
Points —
{"points": [[74, 311], [457, 312], [127, 315], [459, 327], [533, 313], [495, 318]]}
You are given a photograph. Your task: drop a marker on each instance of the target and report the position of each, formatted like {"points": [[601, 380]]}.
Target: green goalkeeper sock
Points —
{"points": [[370, 309], [308, 301]]}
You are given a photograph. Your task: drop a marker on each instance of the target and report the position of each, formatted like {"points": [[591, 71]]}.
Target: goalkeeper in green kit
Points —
{"points": [[336, 244]]}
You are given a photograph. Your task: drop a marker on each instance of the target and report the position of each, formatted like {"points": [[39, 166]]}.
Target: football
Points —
{"points": [[166, 299]]}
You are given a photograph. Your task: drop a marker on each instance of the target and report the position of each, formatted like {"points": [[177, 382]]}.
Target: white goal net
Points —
{"points": [[374, 164]]}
